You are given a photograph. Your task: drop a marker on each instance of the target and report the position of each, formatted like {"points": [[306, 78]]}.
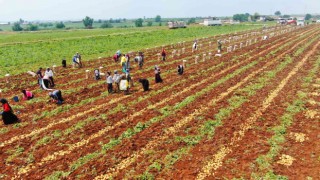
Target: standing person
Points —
{"points": [[109, 82], [145, 84], [56, 96], [49, 73], [27, 95], [45, 82], [116, 79], [123, 63], [40, 76], [180, 69], [75, 61], [219, 46], [195, 46], [157, 74], [7, 114], [163, 54], [127, 56]]}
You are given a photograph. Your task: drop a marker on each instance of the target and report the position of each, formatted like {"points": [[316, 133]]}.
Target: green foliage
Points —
{"points": [[241, 17], [87, 21], [308, 17], [16, 27], [106, 25], [32, 27], [138, 22], [149, 23], [60, 25], [191, 21], [286, 16], [158, 18], [277, 13]]}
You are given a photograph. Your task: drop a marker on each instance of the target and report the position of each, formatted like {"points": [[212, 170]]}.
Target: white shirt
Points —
{"points": [[49, 73]]}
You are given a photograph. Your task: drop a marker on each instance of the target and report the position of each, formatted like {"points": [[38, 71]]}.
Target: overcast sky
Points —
{"points": [[12, 10]]}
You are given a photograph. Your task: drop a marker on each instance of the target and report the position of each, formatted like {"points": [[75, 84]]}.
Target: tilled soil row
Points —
{"points": [[235, 138], [127, 150], [302, 139], [171, 146], [242, 162]]}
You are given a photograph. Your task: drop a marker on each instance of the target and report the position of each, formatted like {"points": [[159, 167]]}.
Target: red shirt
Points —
{"points": [[6, 107]]}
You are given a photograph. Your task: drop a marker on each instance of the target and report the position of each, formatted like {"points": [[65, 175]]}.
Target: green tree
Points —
{"points": [[308, 17], [139, 22], [17, 27], [277, 13], [256, 16], [32, 27], [106, 25], [191, 21], [87, 21], [158, 18], [286, 16], [60, 25], [149, 23], [241, 17]]}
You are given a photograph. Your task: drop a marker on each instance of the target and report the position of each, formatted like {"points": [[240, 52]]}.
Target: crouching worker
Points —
{"points": [[7, 114], [56, 96], [145, 84], [27, 95]]}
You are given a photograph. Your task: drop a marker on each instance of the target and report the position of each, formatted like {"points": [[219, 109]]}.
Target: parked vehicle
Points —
{"points": [[212, 22], [300, 22], [177, 24]]}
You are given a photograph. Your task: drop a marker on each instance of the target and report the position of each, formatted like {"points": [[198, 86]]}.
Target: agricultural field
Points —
{"points": [[252, 113], [46, 48]]}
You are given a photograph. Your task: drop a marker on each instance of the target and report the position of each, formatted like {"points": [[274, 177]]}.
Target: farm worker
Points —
{"points": [[97, 74], [40, 76], [7, 114], [75, 60], [157, 74], [163, 54], [127, 56], [118, 53], [180, 69], [45, 82], [123, 63], [219, 46], [56, 96], [27, 95], [129, 78], [194, 46], [79, 59], [49, 73], [116, 79], [115, 58], [109, 82], [64, 63], [265, 37], [145, 84]]}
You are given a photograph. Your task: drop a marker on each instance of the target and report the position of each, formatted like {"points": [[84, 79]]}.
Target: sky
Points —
{"points": [[13, 10]]}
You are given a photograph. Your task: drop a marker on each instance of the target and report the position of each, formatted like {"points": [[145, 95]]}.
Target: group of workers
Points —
{"points": [[122, 82]]}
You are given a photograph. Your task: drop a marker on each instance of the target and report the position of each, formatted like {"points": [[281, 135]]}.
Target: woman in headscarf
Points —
{"points": [[7, 115], [180, 69], [157, 74]]}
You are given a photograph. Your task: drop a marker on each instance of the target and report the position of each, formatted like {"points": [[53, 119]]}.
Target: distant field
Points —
{"points": [[25, 51]]}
